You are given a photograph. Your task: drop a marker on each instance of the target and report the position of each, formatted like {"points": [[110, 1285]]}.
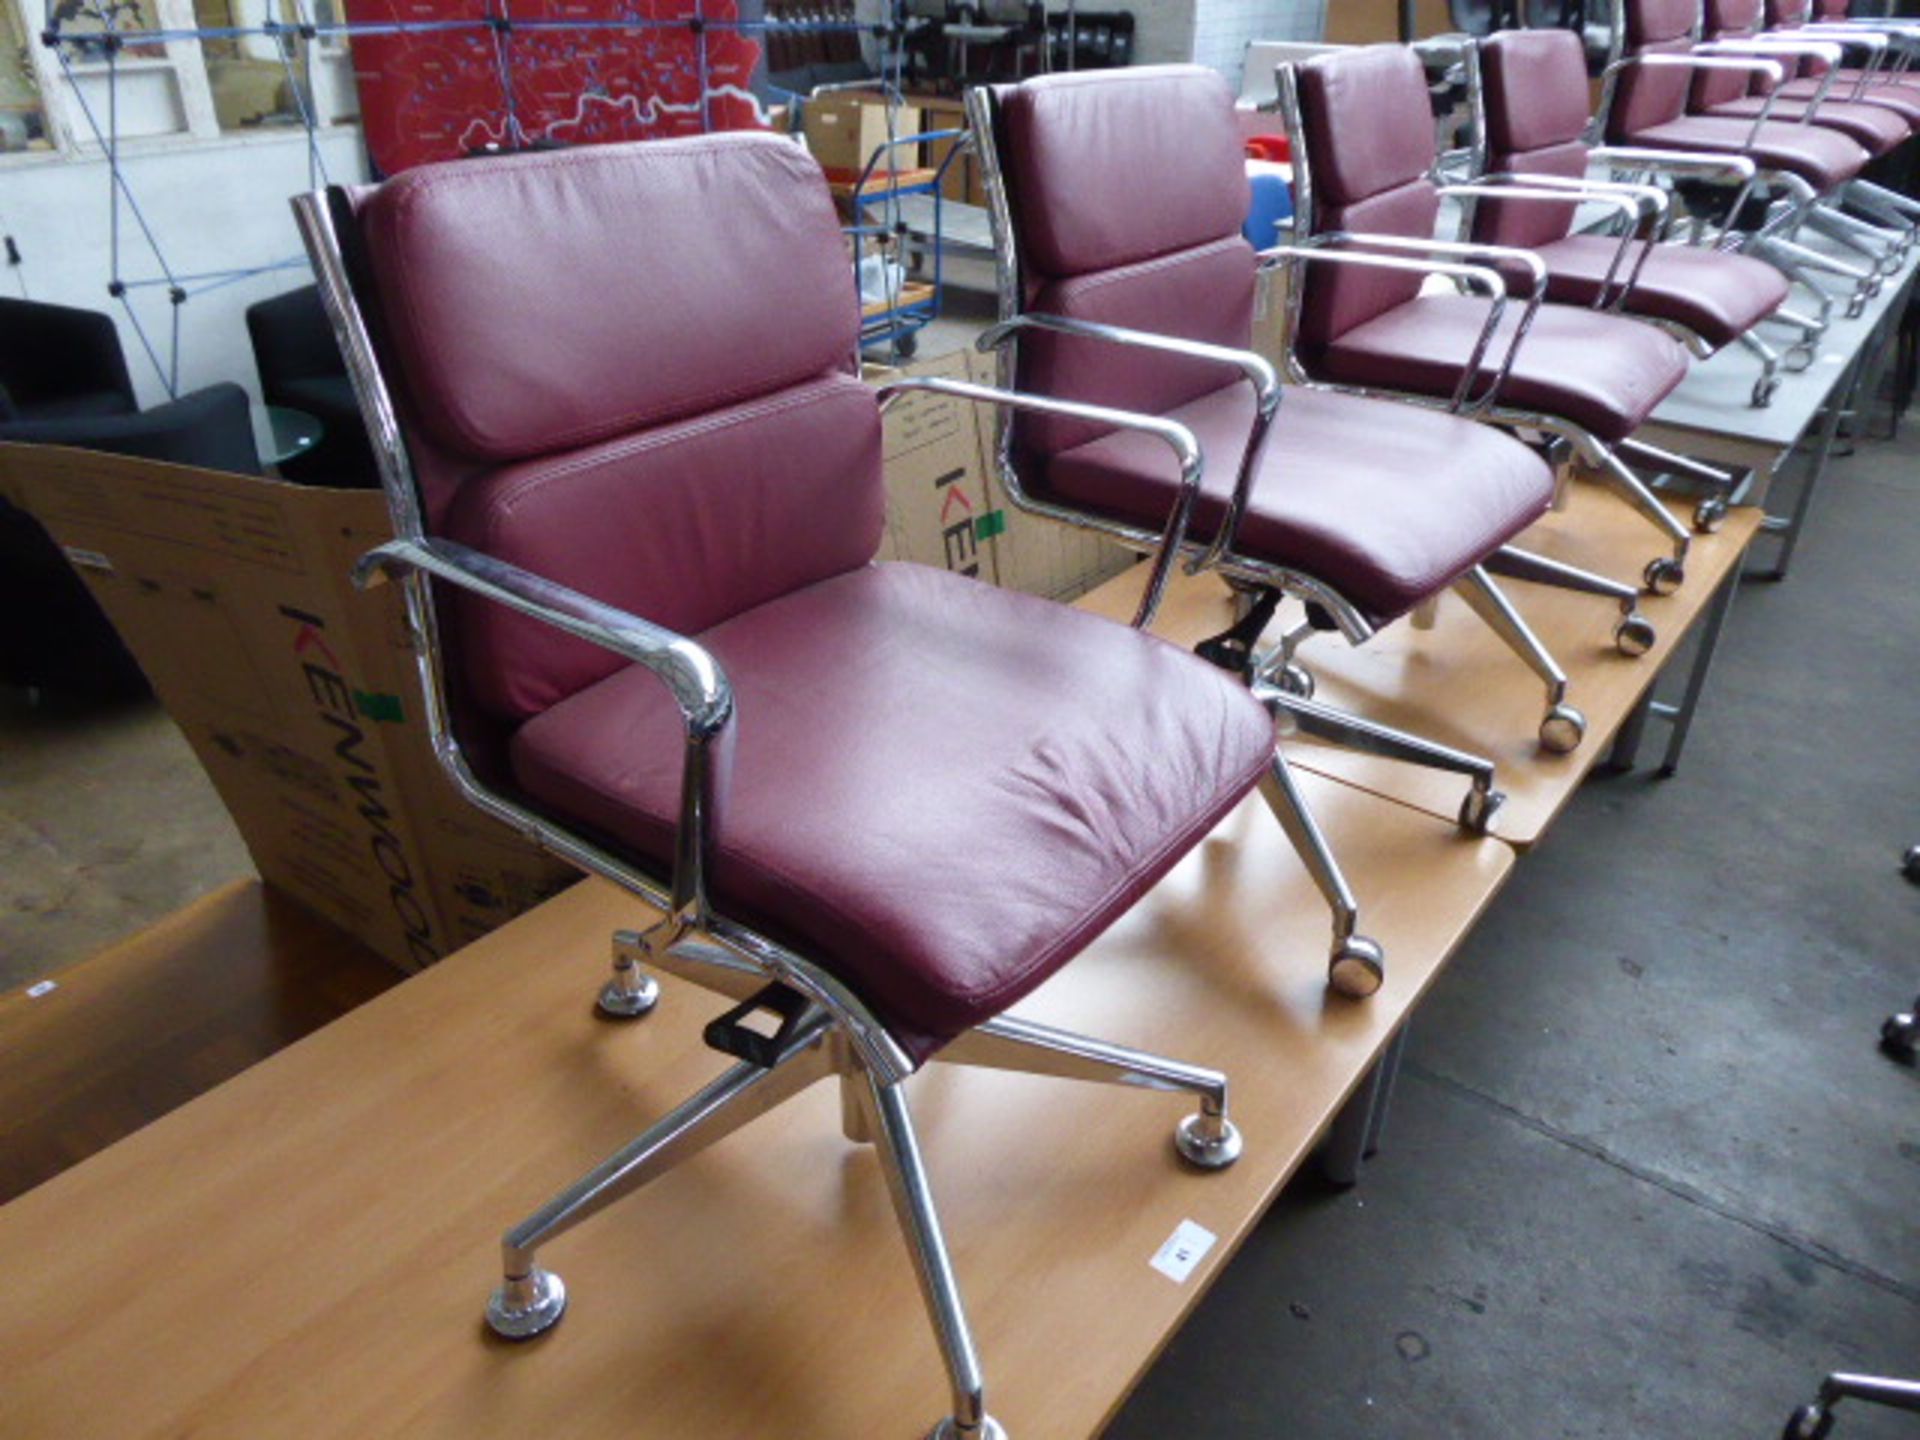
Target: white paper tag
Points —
{"points": [[88, 559], [42, 987], [1185, 1248]]}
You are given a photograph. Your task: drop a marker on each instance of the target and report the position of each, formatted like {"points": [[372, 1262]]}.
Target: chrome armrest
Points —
{"points": [[698, 685], [1645, 203], [1471, 269], [1773, 43], [1178, 438], [1257, 369], [1685, 164]]}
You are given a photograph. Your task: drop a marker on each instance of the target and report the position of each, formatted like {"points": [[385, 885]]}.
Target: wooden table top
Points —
{"points": [[306, 1250], [1459, 684]]}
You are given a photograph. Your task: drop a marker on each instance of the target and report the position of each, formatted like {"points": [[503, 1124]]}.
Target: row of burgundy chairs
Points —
{"points": [[878, 804], [1668, 88]]}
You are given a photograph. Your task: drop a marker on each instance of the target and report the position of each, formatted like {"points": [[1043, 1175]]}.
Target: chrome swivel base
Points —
{"points": [[630, 994], [1358, 967], [529, 1306], [951, 1429], [1211, 1142]]}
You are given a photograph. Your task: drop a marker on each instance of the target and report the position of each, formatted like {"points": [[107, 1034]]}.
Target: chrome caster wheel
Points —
{"points": [[1478, 809], [1910, 864], [1563, 730], [1800, 357], [1663, 576], [1634, 636], [630, 994], [1764, 390], [1211, 1142], [521, 1309], [1357, 968], [1709, 515], [1809, 1422], [1295, 679], [949, 1429]]}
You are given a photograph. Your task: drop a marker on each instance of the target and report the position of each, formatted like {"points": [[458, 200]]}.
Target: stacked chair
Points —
{"points": [[1808, 174], [1364, 160], [1531, 167], [1363, 509], [1811, 58], [878, 804]]}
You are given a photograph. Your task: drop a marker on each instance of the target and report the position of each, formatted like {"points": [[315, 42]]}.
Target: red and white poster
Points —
{"points": [[441, 93]]}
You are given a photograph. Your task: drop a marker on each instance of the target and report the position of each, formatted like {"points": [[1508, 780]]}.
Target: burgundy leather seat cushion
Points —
{"points": [[1717, 295], [940, 790], [1901, 98], [1388, 503], [1874, 128], [1602, 372], [1825, 159]]}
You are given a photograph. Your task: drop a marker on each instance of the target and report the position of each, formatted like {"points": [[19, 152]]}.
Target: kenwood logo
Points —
{"points": [[335, 700]]}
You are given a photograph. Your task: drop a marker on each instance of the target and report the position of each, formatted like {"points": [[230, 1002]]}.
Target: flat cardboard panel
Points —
{"points": [[299, 694], [938, 509]]}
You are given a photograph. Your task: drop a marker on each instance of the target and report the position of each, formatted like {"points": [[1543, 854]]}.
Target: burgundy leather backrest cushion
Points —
{"points": [[1535, 86], [1369, 135], [1648, 95], [627, 368], [1726, 20], [1106, 170], [540, 302], [1781, 13], [1127, 189]]}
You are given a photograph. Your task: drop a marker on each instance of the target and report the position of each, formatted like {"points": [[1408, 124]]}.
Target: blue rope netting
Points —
{"points": [[112, 38]]}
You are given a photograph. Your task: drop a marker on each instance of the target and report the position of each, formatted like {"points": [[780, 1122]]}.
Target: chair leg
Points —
{"points": [[1769, 381], [1663, 575], [1338, 727], [1209, 1139], [530, 1299], [913, 1204], [1710, 512], [1564, 727], [1358, 965], [1633, 633]]}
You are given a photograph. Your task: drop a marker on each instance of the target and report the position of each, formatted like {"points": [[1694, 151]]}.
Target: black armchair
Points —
{"points": [[71, 647], [58, 362], [300, 368]]}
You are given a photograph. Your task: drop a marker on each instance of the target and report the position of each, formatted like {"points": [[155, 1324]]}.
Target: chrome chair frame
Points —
{"points": [[1277, 680], [1656, 218], [1663, 574], [1776, 241], [834, 1033]]}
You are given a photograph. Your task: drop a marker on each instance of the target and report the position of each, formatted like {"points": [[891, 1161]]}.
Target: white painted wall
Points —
{"points": [[1222, 29], [212, 204]]}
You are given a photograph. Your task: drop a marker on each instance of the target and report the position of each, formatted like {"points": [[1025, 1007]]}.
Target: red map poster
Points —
{"points": [[439, 94]]}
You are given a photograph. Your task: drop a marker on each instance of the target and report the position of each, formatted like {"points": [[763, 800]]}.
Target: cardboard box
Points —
{"points": [[843, 131], [938, 512], [299, 694]]}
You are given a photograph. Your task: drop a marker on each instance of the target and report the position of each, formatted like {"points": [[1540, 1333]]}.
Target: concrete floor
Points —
{"points": [[1646, 1174]]}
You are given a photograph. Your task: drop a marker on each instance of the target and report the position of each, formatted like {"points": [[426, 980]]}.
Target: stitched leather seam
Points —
{"points": [[528, 486]]}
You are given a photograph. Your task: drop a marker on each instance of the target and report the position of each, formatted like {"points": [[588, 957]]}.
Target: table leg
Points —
{"points": [[1709, 644]]}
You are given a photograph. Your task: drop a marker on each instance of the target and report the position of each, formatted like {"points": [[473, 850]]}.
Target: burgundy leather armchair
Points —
{"points": [[1529, 89], [1810, 92], [1808, 173], [1363, 151], [636, 505], [1362, 509]]}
